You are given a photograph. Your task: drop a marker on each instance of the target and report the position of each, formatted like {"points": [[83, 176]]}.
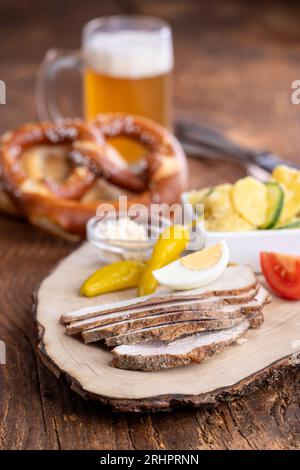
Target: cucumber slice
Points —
{"points": [[293, 224], [275, 197]]}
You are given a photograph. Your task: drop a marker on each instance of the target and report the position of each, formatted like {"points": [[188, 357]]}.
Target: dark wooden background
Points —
{"points": [[235, 62]]}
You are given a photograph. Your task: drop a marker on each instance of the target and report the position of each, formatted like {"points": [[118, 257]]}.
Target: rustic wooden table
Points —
{"points": [[234, 66]]}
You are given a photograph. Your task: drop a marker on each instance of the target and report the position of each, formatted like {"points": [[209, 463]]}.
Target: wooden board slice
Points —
{"points": [[268, 351]]}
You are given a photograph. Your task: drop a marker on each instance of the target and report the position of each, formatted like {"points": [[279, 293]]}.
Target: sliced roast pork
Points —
{"points": [[207, 306], [125, 327], [234, 281], [170, 331], [190, 310], [157, 355], [174, 330]]}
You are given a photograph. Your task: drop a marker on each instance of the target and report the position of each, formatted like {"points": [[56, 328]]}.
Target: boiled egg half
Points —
{"points": [[194, 270]]}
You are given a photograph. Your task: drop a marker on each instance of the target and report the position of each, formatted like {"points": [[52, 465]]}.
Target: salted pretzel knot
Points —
{"points": [[164, 180], [80, 137]]}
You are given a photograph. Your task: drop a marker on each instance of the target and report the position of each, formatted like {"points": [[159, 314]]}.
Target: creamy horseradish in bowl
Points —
{"points": [[124, 237]]}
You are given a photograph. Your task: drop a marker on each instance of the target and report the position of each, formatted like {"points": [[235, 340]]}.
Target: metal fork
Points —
{"points": [[201, 141]]}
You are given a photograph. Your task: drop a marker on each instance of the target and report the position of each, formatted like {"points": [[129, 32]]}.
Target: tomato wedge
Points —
{"points": [[282, 273]]}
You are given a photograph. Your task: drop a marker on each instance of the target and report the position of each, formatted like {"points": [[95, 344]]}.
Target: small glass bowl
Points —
{"points": [[111, 250]]}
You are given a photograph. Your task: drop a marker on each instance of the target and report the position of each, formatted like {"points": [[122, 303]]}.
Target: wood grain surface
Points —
{"points": [[235, 62]]}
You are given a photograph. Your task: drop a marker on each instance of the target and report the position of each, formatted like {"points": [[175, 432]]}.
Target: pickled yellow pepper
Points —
{"points": [[113, 277], [168, 247]]}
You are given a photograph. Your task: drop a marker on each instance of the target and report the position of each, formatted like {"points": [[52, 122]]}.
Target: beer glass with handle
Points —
{"points": [[126, 62]]}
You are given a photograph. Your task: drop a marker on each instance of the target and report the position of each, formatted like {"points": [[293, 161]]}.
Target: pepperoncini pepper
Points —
{"points": [[170, 244], [113, 277]]}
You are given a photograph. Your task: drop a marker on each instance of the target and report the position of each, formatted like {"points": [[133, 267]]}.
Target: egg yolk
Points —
{"points": [[203, 259]]}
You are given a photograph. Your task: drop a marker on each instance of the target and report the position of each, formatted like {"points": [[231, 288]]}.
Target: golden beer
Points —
{"points": [[149, 97], [128, 65]]}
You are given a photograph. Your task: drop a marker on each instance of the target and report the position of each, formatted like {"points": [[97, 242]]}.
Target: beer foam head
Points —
{"points": [[129, 54]]}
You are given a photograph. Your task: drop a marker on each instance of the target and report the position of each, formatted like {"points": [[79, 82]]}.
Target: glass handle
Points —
{"points": [[54, 62]]}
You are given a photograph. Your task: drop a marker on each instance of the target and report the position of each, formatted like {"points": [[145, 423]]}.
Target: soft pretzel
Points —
{"points": [[166, 161], [165, 177], [83, 139]]}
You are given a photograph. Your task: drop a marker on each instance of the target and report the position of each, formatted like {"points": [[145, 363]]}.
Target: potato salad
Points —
{"points": [[250, 204]]}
